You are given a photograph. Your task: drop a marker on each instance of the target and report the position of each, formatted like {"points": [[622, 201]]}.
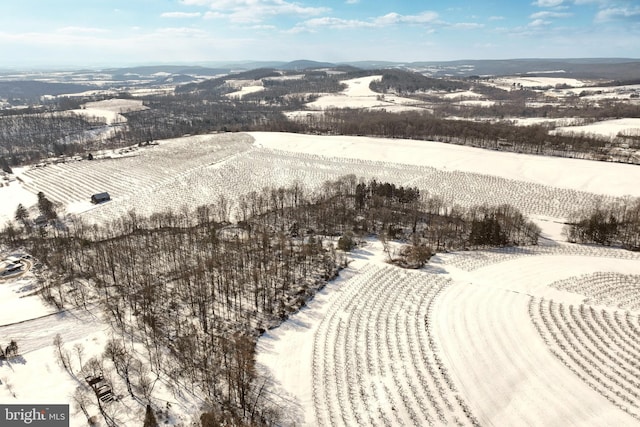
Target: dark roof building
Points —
{"points": [[100, 197]]}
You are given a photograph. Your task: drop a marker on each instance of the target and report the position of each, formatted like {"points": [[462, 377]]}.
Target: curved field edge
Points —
{"points": [[188, 172], [451, 344], [506, 368]]}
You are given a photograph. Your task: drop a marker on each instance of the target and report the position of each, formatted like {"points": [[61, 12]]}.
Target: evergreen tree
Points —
{"points": [[21, 214], [150, 418], [4, 165], [46, 207]]}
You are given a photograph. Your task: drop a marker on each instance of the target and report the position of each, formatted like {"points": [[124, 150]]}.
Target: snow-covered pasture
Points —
{"points": [[359, 95], [460, 341], [244, 87], [607, 128], [111, 109], [189, 172], [508, 83]]}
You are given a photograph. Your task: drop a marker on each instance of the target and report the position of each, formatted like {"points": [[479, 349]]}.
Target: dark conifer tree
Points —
{"points": [[150, 418]]}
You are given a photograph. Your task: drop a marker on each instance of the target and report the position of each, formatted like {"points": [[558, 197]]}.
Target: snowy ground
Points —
{"points": [[36, 375], [462, 95], [192, 171], [508, 83], [599, 92], [607, 128], [12, 194], [359, 95], [567, 122], [477, 102], [244, 87], [583, 175], [362, 351], [111, 109]]}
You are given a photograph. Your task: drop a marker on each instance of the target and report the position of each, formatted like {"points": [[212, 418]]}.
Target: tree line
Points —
{"points": [[425, 126], [403, 82], [607, 224]]}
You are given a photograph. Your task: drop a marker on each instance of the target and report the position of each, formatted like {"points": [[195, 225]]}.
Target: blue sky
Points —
{"points": [[127, 32]]}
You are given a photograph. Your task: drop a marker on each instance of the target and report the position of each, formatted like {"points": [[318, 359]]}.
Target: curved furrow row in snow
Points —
{"points": [[505, 371], [590, 346], [512, 374], [375, 360], [605, 288], [474, 260]]}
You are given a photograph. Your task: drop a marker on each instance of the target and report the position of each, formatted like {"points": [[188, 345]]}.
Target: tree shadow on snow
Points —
{"points": [[18, 359], [360, 254], [433, 269]]}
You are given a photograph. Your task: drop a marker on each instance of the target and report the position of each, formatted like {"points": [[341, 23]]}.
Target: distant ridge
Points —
{"points": [[172, 69], [602, 68], [303, 64]]}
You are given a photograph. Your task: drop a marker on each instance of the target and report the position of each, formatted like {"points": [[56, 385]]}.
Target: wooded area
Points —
{"points": [[608, 224]]}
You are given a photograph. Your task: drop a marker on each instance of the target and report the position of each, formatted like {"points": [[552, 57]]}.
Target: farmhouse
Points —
{"points": [[100, 197]]}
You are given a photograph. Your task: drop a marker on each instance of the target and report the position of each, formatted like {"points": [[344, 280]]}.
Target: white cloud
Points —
{"points": [[618, 13], [263, 27], [395, 18], [497, 18], [467, 25], [181, 15], [538, 23], [254, 10], [81, 30], [547, 3], [547, 14], [329, 22], [352, 1], [182, 32], [214, 15], [387, 20]]}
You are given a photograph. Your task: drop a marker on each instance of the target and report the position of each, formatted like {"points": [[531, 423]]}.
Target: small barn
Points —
{"points": [[100, 198]]}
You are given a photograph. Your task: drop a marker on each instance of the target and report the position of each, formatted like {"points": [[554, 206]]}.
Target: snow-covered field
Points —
{"points": [[359, 95], [477, 102], [191, 171], [535, 82], [607, 128], [574, 174], [462, 95], [455, 342], [111, 109], [528, 121], [599, 92], [472, 337], [244, 87]]}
